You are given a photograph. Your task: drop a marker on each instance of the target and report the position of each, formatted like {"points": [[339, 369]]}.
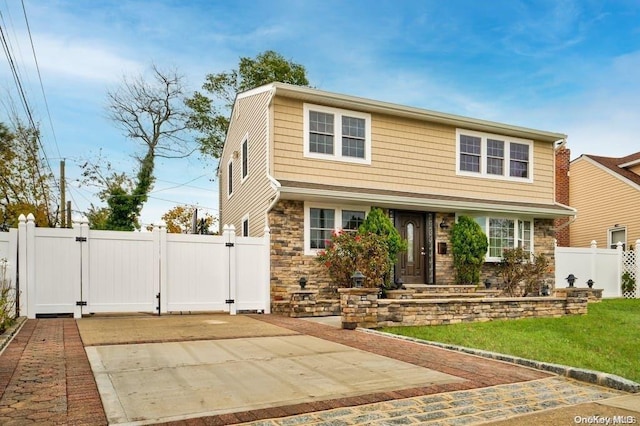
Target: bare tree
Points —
{"points": [[151, 112]]}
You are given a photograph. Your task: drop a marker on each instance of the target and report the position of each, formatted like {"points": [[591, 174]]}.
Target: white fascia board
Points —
{"points": [[422, 204], [630, 164]]}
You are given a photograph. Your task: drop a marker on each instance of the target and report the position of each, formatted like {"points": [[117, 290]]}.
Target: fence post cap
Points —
{"points": [[22, 218], [31, 217]]}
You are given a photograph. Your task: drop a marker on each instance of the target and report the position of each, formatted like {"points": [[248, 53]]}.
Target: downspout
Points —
{"points": [[275, 185]]}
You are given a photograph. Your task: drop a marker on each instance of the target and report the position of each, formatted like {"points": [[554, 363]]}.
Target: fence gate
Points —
{"points": [[81, 271]]}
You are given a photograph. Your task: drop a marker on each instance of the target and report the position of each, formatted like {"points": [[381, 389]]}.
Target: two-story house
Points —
{"points": [[306, 162], [606, 192]]}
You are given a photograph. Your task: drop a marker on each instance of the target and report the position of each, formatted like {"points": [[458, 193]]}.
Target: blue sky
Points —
{"points": [[564, 66]]}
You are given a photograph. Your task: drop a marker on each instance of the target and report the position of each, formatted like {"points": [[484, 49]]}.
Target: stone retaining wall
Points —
{"points": [[362, 307]]}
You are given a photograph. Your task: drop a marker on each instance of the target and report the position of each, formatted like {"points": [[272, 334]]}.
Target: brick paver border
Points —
{"points": [[45, 377]]}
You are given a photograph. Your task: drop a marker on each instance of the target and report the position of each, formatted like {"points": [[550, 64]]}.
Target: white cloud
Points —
{"points": [[90, 60]]}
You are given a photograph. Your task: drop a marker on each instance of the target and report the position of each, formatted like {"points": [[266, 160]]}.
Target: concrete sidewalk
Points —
{"points": [[271, 370]]}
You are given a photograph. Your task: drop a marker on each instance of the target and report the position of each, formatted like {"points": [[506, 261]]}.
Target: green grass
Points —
{"points": [[606, 339]]}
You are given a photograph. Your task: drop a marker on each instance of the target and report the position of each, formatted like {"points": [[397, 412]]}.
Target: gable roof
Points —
{"points": [[312, 95], [618, 165]]}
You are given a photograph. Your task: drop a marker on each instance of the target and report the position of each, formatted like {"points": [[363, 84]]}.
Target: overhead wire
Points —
{"points": [[44, 96]]}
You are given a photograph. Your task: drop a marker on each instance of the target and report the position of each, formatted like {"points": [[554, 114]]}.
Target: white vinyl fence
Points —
{"points": [[604, 266], [82, 271]]}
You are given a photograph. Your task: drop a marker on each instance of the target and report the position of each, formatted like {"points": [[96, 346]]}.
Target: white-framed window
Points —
{"points": [[493, 156], [337, 134], [245, 157], [618, 234], [321, 220], [505, 232], [245, 225], [230, 178]]}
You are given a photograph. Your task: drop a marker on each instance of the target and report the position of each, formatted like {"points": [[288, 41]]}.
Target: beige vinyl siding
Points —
{"points": [[602, 200], [635, 169], [252, 196], [407, 155]]}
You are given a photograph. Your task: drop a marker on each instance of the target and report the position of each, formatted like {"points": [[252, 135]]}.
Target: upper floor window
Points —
{"points": [[336, 134], [230, 178], [493, 156], [245, 158]]}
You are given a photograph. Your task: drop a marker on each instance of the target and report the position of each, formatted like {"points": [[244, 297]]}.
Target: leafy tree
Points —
{"points": [[179, 220], [25, 184], [152, 114], [209, 113], [378, 223], [469, 247]]}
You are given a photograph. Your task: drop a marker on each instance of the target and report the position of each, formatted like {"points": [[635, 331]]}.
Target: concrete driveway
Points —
{"points": [[224, 364]]}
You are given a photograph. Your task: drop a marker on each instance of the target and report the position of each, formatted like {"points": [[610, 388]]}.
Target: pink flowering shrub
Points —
{"points": [[348, 252]]}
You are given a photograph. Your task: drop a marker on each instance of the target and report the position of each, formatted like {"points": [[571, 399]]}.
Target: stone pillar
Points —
{"points": [[359, 307]]}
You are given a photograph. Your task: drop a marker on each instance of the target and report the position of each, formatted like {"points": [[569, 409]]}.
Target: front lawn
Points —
{"points": [[606, 339]]}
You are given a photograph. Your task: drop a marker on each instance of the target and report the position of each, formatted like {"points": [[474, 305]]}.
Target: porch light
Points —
{"points": [[571, 279], [357, 279], [444, 224], [303, 282]]}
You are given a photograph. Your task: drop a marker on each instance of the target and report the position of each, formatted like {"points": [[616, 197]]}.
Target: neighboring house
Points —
{"points": [[305, 162], [606, 193]]}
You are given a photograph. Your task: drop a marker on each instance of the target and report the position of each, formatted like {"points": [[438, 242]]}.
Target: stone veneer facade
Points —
{"points": [[289, 263]]}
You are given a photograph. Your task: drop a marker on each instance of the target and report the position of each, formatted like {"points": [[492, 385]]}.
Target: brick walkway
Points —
{"points": [[45, 377]]}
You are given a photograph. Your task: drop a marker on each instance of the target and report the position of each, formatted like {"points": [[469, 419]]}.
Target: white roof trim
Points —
{"points": [[618, 176], [413, 202], [630, 164]]}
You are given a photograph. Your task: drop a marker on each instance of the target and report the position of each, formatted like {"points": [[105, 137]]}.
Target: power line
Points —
{"points": [[35, 59], [21, 93]]}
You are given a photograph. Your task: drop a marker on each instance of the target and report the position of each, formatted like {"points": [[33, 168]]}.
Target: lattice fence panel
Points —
{"points": [[629, 267]]}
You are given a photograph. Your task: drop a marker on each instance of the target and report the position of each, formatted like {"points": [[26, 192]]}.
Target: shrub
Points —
{"points": [[628, 283], [469, 246], [379, 223], [518, 267], [7, 299], [348, 252]]}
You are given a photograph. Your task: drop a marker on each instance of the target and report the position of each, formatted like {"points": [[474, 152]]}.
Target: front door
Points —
{"points": [[414, 265]]}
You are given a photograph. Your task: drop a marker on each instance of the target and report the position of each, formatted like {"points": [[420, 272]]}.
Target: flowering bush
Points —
{"points": [[7, 299], [348, 252]]}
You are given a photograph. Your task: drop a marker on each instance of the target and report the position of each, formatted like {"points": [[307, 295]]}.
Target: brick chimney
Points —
{"points": [[563, 156]]}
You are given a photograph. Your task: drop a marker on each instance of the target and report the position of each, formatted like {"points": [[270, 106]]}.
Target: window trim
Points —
{"points": [[338, 208], [230, 186], [337, 125], [506, 160], [244, 159], [610, 232], [516, 230]]}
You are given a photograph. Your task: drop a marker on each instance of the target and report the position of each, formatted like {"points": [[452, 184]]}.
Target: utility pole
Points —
{"points": [[63, 203]]}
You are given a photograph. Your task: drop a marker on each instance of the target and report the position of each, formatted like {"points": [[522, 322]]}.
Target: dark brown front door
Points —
{"points": [[412, 263]]}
